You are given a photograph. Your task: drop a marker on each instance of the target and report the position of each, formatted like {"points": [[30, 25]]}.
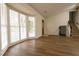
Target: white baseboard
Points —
{"points": [[3, 51]]}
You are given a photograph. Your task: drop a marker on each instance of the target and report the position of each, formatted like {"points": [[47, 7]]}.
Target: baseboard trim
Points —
{"points": [[12, 44], [3, 51]]}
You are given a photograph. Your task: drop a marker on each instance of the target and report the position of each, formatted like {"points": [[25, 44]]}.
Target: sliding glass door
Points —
{"points": [[14, 26], [31, 26]]}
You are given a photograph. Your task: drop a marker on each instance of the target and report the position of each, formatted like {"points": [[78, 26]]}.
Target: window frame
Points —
{"points": [[3, 8], [8, 26], [0, 26], [34, 28], [14, 25], [23, 26]]}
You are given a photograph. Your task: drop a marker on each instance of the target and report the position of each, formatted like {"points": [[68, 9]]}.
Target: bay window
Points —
{"points": [[14, 26]]}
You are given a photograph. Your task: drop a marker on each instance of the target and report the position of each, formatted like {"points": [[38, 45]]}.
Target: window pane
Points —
{"points": [[4, 36], [4, 39], [31, 26], [23, 26], [14, 26], [3, 15], [13, 18], [22, 20], [23, 33], [14, 34]]}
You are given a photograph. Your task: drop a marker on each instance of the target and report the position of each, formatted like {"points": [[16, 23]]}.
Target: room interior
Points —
{"points": [[39, 29]]}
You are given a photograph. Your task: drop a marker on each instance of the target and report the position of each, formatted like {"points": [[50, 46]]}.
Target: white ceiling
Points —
{"points": [[48, 9]]}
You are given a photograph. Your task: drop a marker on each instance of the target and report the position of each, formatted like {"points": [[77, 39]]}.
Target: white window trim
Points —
{"points": [[0, 38], [26, 26], [8, 26], [19, 26]]}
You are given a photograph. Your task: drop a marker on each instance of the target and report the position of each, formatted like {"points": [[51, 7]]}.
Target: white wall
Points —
{"points": [[38, 26], [52, 24], [77, 19], [25, 8]]}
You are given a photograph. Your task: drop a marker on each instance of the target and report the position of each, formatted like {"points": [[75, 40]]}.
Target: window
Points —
{"points": [[23, 26], [4, 40], [31, 26], [14, 26]]}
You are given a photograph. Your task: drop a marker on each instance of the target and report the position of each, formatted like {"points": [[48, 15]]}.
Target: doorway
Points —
{"points": [[42, 27]]}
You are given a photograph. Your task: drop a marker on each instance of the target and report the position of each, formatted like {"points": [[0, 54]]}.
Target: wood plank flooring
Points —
{"points": [[46, 46]]}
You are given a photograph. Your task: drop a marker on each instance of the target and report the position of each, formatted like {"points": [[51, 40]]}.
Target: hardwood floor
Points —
{"points": [[46, 46]]}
